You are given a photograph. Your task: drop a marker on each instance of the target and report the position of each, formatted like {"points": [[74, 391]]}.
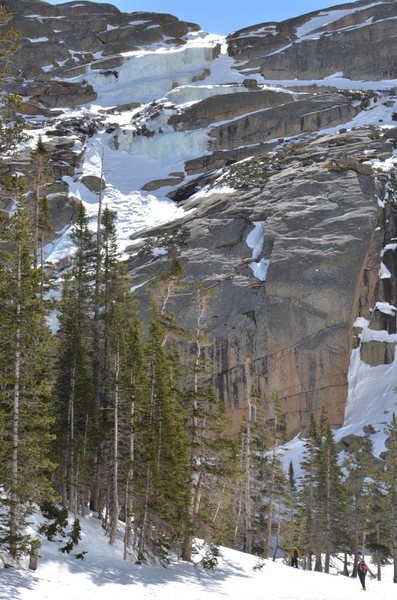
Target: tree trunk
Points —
{"points": [[15, 421], [318, 564], [70, 470], [97, 361], [345, 563], [34, 555], [278, 532], [270, 507], [141, 546], [114, 494], [247, 489], [129, 490]]}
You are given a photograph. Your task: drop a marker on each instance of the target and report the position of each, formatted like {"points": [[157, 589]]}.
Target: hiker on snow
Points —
{"points": [[294, 557], [362, 570]]}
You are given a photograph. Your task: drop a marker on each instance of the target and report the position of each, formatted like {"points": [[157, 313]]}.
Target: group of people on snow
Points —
{"points": [[362, 567]]}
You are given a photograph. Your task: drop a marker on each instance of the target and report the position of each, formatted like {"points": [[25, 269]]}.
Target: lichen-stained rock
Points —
{"points": [[375, 352], [294, 327], [93, 183]]}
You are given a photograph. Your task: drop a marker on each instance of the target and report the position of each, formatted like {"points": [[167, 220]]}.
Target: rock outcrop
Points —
{"points": [[73, 34], [356, 39], [296, 324], [65, 41]]}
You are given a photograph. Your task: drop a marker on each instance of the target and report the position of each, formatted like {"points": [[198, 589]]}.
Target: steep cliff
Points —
{"points": [[288, 250], [279, 198]]}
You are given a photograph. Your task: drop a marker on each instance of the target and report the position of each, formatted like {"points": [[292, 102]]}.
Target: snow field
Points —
{"points": [[103, 575]]}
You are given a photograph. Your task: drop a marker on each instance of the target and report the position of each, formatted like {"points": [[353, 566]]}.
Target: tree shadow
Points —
{"points": [[15, 580]]}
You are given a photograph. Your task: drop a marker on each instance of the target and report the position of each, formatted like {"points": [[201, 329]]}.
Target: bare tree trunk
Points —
{"points": [[278, 531], [80, 484], [141, 546], [378, 557], [345, 565], [71, 490], [271, 506], [240, 499], [97, 359], [114, 517], [219, 504], [318, 564], [247, 488], [34, 555], [328, 519], [15, 422], [128, 492], [195, 476]]}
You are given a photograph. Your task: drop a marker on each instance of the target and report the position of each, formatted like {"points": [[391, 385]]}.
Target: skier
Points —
{"points": [[294, 557], [362, 570]]}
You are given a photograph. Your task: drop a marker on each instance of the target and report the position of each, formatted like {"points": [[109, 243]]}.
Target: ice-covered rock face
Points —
{"points": [[63, 40]]}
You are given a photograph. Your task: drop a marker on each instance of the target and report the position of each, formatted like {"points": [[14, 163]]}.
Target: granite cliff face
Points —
{"points": [[279, 198], [360, 43], [319, 218]]}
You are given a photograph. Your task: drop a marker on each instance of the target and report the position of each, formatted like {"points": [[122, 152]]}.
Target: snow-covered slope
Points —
{"points": [[103, 575]]}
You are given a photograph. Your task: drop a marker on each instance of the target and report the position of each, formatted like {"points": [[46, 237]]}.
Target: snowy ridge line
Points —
{"points": [[329, 16]]}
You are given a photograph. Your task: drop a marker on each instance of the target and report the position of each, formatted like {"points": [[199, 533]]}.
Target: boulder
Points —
{"points": [[93, 183], [159, 183]]}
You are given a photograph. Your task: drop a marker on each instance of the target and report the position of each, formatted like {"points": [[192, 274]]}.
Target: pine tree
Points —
{"points": [[111, 308], [76, 412], [357, 468], [106, 281], [263, 499], [291, 531], [379, 540], [26, 394], [119, 388], [330, 496], [161, 456], [205, 422], [41, 219], [391, 486], [135, 384], [249, 496], [275, 487], [307, 493]]}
